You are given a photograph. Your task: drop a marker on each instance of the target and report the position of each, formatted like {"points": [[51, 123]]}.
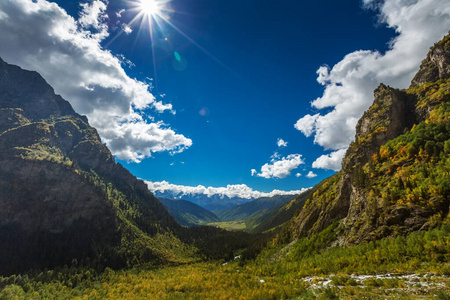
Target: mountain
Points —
{"points": [[243, 211], [209, 202], [188, 213], [395, 176], [63, 196], [64, 199]]}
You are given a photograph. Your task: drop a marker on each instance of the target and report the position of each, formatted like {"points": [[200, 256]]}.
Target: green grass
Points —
{"points": [[211, 280], [231, 225]]}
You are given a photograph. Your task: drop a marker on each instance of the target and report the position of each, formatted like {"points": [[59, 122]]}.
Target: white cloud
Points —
{"points": [[350, 83], [254, 172], [275, 156], [127, 29], [39, 35], [281, 143], [119, 13], [330, 161], [298, 175], [311, 174], [307, 124], [231, 191], [125, 61], [92, 17], [280, 168]]}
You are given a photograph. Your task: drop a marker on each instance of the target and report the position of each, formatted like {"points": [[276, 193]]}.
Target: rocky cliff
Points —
{"points": [[62, 195], [395, 175]]}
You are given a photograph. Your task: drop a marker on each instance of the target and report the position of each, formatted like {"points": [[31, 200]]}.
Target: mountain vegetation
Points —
{"points": [[273, 218], [378, 229], [187, 213], [243, 211]]}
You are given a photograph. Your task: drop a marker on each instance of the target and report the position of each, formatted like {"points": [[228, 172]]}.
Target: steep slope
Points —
{"points": [[188, 213], [395, 176], [241, 212], [62, 194], [278, 215]]}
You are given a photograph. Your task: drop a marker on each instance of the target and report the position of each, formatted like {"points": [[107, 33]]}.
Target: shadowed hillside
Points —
{"points": [[188, 213]]}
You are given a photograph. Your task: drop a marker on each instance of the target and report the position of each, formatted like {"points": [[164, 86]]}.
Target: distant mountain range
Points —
{"points": [[254, 213], [188, 213], [210, 202]]}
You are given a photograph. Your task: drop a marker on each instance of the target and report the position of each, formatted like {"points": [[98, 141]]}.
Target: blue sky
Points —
{"points": [[229, 78]]}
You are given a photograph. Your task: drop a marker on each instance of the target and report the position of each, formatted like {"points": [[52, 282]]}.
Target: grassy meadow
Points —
{"points": [[412, 267]]}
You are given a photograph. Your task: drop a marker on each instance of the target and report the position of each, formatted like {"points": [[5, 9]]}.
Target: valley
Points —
{"points": [[76, 224]]}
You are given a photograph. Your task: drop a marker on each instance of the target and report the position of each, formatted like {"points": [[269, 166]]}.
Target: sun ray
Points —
{"points": [[156, 14], [136, 18]]}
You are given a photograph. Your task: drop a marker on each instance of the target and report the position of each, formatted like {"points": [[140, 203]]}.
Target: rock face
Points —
{"points": [[436, 66], [62, 195], [380, 190]]}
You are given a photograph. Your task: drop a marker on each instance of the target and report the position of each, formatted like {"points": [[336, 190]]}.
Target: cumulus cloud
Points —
{"points": [[39, 35], [280, 167], [330, 161], [92, 17], [307, 124], [281, 143], [350, 83], [254, 172], [311, 174], [298, 175], [231, 191]]}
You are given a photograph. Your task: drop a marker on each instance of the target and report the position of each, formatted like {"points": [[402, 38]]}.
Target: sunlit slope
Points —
{"points": [[395, 177]]}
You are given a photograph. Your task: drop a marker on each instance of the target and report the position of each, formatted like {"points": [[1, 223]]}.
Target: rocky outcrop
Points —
{"points": [[436, 65], [392, 113]]}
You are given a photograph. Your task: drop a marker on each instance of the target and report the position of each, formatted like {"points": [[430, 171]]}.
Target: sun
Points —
{"points": [[151, 7]]}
